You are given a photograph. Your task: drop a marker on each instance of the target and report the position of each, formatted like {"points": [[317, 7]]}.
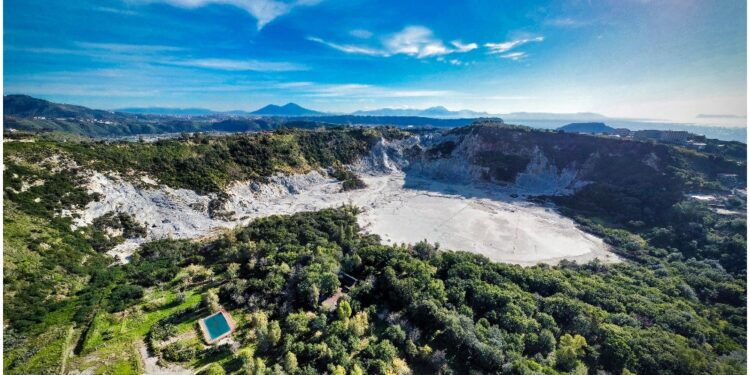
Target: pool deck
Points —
{"points": [[204, 329]]}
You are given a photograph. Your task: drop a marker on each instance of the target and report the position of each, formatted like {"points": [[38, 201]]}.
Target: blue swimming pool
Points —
{"points": [[216, 325]]}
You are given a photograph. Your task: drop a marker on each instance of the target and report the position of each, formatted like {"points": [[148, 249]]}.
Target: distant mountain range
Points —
{"points": [[438, 112], [23, 112], [434, 112], [289, 109]]}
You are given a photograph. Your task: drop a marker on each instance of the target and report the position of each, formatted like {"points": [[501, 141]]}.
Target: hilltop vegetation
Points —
{"points": [[677, 306], [207, 164]]}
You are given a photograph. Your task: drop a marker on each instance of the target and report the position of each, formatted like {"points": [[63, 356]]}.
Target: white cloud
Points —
{"points": [[125, 12], [416, 41], [509, 45], [264, 11], [350, 48], [515, 56], [238, 65], [460, 47], [110, 50], [290, 85], [361, 33]]}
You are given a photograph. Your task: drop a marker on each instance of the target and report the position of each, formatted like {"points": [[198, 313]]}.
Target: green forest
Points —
{"points": [[677, 305]]}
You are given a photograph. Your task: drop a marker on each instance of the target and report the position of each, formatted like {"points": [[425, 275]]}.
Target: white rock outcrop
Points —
{"points": [[447, 199]]}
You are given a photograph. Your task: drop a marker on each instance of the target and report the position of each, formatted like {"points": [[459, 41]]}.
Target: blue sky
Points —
{"points": [[670, 60]]}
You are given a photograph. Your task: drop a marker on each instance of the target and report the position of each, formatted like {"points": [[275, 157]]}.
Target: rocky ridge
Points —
{"points": [[180, 213]]}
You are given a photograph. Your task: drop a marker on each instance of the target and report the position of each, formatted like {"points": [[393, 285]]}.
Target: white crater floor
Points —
{"points": [[484, 221], [499, 227]]}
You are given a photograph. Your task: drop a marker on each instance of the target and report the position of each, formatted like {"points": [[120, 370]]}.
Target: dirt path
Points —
{"points": [[151, 365], [67, 350]]}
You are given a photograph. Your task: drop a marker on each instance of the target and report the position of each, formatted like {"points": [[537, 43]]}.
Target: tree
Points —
{"points": [[233, 270], [211, 301], [274, 334], [246, 356], [344, 310], [356, 370], [399, 367], [250, 365], [546, 342], [359, 323], [424, 250], [569, 350], [213, 369], [329, 282], [197, 273], [290, 362], [124, 295], [260, 367], [615, 351], [179, 351]]}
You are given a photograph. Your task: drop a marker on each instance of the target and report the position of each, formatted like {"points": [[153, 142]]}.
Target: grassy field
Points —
{"points": [[111, 344]]}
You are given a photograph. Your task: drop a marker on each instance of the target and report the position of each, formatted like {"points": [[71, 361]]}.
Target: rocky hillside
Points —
{"points": [[642, 187], [643, 174]]}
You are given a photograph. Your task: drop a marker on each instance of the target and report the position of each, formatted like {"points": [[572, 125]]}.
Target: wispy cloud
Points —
{"points": [[151, 54], [515, 56], [460, 47], [361, 33], [509, 45], [125, 12], [264, 11], [565, 22], [288, 85], [99, 49], [415, 41], [238, 65], [348, 48]]}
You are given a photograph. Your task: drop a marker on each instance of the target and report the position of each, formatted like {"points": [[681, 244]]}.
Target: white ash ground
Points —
{"points": [[481, 220], [499, 227]]}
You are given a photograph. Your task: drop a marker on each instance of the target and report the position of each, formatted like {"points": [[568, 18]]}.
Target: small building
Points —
{"points": [[330, 303], [347, 281], [217, 326]]}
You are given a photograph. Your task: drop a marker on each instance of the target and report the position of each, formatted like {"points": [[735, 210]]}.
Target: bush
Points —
{"points": [[123, 296], [180, 351]]}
